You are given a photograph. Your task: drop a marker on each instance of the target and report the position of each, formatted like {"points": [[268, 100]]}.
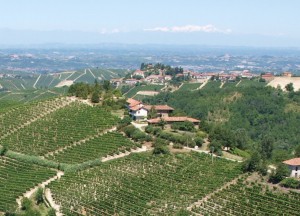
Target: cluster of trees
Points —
{"points": [[169, 70], [255, 119], [103, 90]]}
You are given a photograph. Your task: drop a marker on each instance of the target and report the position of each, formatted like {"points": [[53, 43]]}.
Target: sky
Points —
{"points": [[205, 22]]}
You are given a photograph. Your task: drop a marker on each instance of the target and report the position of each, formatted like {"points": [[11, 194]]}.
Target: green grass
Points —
{"points": [[136, 89], [189, 86]]}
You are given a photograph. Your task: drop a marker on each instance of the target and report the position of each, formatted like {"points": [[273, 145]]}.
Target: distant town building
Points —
{"points": [[268, 77], [294, 166], [131, 81], [287, 74]]}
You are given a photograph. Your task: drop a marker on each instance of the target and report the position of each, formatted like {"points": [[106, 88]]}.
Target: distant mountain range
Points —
{"points": [[10, 37]]}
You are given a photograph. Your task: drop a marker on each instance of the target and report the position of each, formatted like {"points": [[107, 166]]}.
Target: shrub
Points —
{"points": [[39, 195], [290, 183], [51, 212], [280, 173], [160, 149], [26, 204], [178, 146], [184, 126], [198, 141]]}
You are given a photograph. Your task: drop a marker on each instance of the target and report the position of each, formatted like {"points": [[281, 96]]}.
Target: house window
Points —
{"points": [[296, 168]]}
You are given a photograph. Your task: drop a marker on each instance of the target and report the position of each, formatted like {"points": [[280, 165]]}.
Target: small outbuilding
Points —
{"points": [[294, 165]]}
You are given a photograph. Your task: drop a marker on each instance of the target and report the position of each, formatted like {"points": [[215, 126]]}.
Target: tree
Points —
{"points": [[51, 212], [106, 85], [297, 151], [253, 164], [95, 97], [3, 150], [289, 87], [160, 149], [152, 113], [267, 146], [26, 204], [162, 123], [39, 196], [280, 173]]}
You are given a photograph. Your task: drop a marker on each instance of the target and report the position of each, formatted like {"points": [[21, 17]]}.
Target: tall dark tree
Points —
{"points": [[267, 146], [289, 87]]}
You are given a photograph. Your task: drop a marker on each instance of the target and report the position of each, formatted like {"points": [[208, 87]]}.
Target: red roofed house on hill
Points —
{"points": [[136, 110], [162, 110], [294, 166]]}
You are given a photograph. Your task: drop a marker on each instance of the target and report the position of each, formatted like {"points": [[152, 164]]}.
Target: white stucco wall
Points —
{"points": [[294, 171]]}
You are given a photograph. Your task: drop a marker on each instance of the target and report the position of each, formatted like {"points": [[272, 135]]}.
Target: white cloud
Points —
{"points": [[190, 28]]}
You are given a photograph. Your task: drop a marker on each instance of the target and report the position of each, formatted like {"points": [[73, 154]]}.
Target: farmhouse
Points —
{"points": [[136, 110], [162, 110], [170, 120], [294, 166]]}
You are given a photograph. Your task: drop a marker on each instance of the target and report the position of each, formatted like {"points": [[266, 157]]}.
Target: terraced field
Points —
{"points": [[16, 178], [142, 184]]}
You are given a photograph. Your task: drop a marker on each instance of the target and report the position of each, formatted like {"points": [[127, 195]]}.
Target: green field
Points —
{"points": [[189, 86], [136, 89]]}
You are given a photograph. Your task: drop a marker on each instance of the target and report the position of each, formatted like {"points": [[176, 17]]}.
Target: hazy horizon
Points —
{"points": [[212, 23]]}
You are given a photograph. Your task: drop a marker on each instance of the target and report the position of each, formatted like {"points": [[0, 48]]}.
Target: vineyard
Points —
{"points": [[96, 148], [250, 198], [16, 178], [142, 184], [14, 118], [55, 130]]}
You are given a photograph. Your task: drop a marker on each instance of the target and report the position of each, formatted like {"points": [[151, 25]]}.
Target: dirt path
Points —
{"points": [[207, 152], [208, 196], [92, 73], [222, 83], [51, 202], [80, 142], [238, 83], [203, 84], [29, 193], [36, 81], [138, 150], [80, 75]]}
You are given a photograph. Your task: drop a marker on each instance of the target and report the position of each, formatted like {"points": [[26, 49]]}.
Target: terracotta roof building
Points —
{"points": [[294, 166]]}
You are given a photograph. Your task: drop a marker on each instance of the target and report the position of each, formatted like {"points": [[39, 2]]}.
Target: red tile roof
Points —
{"points": [[132, 102], [292, 162], [173, 119], [159, 107]]}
